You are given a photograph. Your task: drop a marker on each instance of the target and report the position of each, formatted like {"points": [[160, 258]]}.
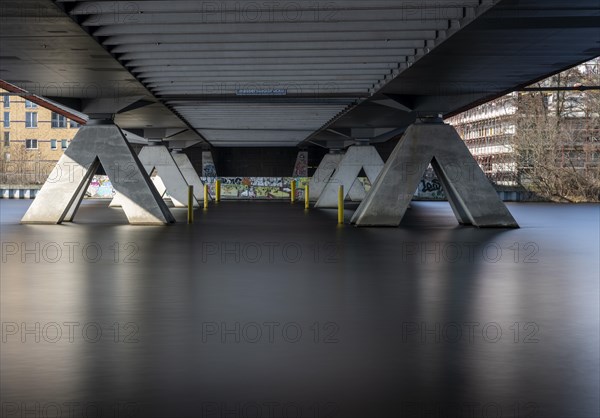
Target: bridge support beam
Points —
{"points": [[189, 173], [326, 168], [98, 142], [357, 158], [157, 157], [323, 174], [472, 197]]}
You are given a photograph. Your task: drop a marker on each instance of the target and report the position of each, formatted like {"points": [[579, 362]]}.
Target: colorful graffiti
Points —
{"points": [[266, 188], [100, 188], [269, 188], [301, 168], [208, 165]]}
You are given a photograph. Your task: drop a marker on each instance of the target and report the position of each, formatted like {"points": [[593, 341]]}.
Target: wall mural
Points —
{"points": [[430, 186], [258, 187], [267, 188], [208, 165], [100, 188], [301, 168]]}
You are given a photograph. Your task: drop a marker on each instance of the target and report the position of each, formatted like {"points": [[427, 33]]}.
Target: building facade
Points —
{"points": [[488, 131], [554, 122], [32, 137]]}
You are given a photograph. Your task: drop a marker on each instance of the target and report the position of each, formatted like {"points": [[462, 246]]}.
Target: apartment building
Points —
{"points": [[493, 130], [34, 133]]}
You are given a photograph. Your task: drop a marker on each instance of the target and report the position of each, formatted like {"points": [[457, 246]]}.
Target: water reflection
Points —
{"points": [[394, 322]]}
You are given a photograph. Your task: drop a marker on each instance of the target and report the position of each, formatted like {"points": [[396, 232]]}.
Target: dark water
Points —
{"points": [[263, 310]]}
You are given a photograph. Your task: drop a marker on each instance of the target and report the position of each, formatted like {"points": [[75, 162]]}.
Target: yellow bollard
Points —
{"points": [[190, 204], [306, 197], [218, 191], [341, 206], [206, 196], [293, 191]]}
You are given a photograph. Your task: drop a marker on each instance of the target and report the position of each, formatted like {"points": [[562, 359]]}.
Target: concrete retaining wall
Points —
{"points": [[244, 188]]}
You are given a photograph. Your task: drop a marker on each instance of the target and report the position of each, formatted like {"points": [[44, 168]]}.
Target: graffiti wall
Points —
{"points": [[430, 187], [208, 165], [266, 188], [301, 167], [100, 188]]}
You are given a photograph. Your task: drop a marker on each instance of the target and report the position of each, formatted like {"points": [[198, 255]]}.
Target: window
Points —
{"points": [[6, 119], [7, 139], [58, 121], [53, 144], [73, 124], [6, 101], [30, 105], [64, 144], [31, 119], [31, 143]]}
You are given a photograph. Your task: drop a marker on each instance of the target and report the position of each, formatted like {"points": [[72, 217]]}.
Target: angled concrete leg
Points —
{"points": [[357, 192], [98, 142], [116, 201], [356, 159], [158, 157], [319, 180], [301, 166], [208, 165], [159, 184], [189, 174], [81, 192], [472, 197]]}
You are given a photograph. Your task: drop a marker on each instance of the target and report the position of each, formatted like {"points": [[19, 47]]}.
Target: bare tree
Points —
{"points": [[556, 141], [22, 166]]}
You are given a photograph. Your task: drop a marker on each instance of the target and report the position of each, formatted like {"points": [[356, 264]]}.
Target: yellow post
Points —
{"points": [[293, 191], [206, 197], [190, 204], [218, 191], [341, 205], [306, 197]]}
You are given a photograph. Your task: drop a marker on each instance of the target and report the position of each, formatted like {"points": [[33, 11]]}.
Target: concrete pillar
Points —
{"points": [[189, 174], [356, 159], [301, 166], [157, 157], [472, 197], [322, 176], [326, 168], [100, 141], [159, 184], [208, 165], [70, 216], [116, 201]]}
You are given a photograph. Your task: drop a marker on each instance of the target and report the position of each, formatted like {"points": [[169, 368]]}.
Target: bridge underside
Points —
{"points": [[254, 74]]}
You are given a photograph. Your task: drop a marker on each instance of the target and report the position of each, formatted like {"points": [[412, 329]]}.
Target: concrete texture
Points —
{"points": [[96, 143], [189, 174], [326, 168], [356, 159], [208, 165], [301, 166], [158, 157], [116, 201], [159, 184], [471, 195], [70, 216]]}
